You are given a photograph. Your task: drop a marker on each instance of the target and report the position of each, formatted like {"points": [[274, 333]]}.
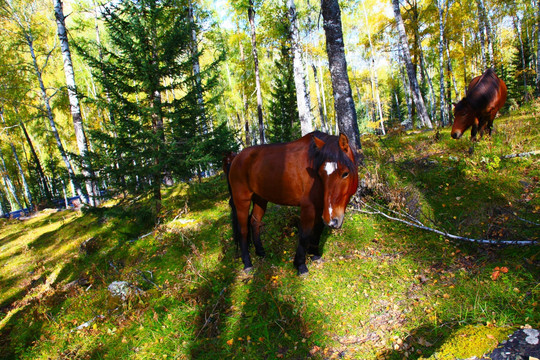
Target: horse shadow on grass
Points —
{"points": [[253, 315]]}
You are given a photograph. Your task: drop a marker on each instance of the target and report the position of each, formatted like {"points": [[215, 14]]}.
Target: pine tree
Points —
{"points": [[150, 54], [283, 110]]}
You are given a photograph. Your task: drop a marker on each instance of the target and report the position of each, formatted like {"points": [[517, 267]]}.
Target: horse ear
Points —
{"points": [[344, 142], [318, 142]]}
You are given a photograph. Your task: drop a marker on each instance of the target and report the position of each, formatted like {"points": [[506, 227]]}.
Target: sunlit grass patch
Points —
{"points": [[382, 289]]}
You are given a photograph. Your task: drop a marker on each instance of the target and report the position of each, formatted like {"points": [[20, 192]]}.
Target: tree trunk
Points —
{"points": [[517, 27], [538, 48], [451, 70], [251, 17], [302, 91], [343, 100], [30, 42], [417, 96], [373, 74], [27, 192], [82, 143], [43, 178], [407, 123], [442, 107], [197, 68], [7, 181], [318, 89], [323, 95], [487, 28], [481, 34]]}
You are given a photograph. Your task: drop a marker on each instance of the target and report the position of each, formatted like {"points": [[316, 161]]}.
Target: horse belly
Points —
{"points": [[279, 190]]}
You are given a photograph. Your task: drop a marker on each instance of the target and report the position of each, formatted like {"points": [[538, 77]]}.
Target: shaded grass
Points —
{"points": [[383, 290]]}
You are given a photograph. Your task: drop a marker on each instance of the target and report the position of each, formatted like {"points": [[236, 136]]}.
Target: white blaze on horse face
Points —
{"points": [[330, 211], [330, 167]]}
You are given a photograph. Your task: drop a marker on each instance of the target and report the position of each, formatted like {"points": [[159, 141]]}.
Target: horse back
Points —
{"points": [[278, 173], [487, 94]]}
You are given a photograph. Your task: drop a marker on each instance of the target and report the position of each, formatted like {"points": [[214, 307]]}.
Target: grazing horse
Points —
{"points": [[485, 96], [317, 172]]}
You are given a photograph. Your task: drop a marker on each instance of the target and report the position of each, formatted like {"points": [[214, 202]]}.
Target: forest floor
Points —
{"points": [[384, 290]]}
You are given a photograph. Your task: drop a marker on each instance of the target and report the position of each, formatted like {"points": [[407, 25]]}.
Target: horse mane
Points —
{"points": [[330, 152], [484, 90]]}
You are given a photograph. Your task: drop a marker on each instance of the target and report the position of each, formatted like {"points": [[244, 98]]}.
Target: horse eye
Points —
{"points": [[344, 175]]}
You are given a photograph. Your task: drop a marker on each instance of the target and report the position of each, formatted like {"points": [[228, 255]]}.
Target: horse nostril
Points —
{"points": [[455, 135], [333, 223]]}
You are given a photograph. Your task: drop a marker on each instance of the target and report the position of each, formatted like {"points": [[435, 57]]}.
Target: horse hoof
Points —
{"points": [[247, 270], [316, 258], [302, 270]]}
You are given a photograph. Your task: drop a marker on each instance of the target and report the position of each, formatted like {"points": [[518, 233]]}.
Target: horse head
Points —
{"points": [[337, 169], [463, 118]]}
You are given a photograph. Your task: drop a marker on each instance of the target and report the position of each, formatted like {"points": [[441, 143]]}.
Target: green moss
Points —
{"points": [[471, 341]]}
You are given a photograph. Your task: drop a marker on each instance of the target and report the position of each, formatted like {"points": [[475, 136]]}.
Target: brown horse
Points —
{"points": [[318, 173], [485, 96]]}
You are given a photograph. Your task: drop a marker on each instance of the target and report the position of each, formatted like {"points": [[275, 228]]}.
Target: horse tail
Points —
{"points": [[227, 161]]}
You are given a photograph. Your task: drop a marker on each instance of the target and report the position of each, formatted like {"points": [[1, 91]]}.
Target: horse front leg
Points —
{"points": [[313, 248], [474, 131], [307, 222]]}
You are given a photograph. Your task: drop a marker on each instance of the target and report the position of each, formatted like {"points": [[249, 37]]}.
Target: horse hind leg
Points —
{"points": [[259, 208], [242, 215]]}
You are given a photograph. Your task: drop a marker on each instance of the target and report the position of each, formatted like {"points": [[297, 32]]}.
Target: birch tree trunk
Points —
{"points": [[442, 108], [197, 68], [517, 27], [323, 95], [481, 34], [487, 27], [46, 100], [538, 48], [27, 192], [417, 95], [343, 100], [451, 70], [7, 181], [251, 17], [373, 74], [82, 143], [318, 89], [43, 178], [302, 91]]}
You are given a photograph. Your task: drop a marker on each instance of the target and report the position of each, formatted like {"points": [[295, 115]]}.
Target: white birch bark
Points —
{"points": [[82, 143], [26, 188], [251, 18], [48, 110], [322, 114], [442, 108], [538, 47], [417, 95], [8, 183], [302, 92], [373, 74]]}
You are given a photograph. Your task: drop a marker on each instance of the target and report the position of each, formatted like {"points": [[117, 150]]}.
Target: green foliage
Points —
{"points": [[283, 123], [158, 126]]}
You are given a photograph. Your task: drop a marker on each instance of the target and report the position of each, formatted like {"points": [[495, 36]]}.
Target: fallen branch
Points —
{"points": [[419, 225], [530, 153], [209, 319], [88, 323]]}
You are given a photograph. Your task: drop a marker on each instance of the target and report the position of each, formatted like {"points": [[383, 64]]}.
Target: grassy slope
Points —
{"points": [[383, 290]]}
